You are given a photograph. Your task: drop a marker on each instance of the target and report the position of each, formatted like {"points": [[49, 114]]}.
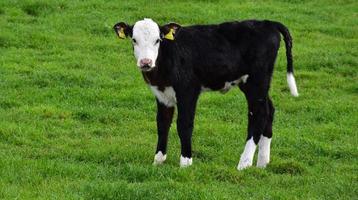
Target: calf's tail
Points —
{"points": [[288, 43]]}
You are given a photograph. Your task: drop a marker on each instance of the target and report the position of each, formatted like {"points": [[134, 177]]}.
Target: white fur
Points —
{"points": [[166, 97], [229, 84], [146, 32], [226, 87], [159, 158], [205, 89], [185, 161], [248, 155], [244, 78], [264, 151], [292, 84]]}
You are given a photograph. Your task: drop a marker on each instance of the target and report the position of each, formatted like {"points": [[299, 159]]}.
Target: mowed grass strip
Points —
{"points": [[78, 122]]}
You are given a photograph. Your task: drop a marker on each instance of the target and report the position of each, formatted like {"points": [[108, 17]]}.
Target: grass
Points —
{"points": [[78, 122]]}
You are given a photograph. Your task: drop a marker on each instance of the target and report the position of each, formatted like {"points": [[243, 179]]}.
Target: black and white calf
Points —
{"points": [[178, 63]]}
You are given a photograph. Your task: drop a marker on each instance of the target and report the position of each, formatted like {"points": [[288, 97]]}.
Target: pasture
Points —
{"points": [[78, 122]]}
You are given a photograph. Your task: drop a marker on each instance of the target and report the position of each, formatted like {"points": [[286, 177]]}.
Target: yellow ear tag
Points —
{"points": [[121, 33], [170, 35]]}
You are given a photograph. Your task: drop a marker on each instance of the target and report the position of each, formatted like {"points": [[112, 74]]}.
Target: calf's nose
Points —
{"points": [[145, 62]]}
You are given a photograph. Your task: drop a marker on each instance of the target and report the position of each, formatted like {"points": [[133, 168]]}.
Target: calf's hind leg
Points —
{"points": [[265, 139], [258, 114]]}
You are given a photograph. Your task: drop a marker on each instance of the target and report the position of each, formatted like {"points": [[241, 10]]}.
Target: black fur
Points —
{"points": [[209, 56]]}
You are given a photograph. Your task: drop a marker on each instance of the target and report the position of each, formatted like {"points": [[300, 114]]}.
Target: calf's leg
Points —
{"points": [[164, 120], [265, 139], [186, 112], [256, 92]]}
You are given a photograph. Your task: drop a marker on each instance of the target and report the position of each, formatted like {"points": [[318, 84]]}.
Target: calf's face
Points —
{"points": [[146, 36], [145, 40]]}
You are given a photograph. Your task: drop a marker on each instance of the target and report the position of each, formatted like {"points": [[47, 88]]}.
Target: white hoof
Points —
{"points": [[185, 161], [262, 161], [248, 155], [159, 158], [244, 163], [264, 152]]}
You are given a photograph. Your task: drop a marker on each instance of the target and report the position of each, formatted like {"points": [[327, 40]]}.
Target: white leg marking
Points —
{"points": [[264, 151], [292, 84], [185, 161], [159, 158], [248, 155]]}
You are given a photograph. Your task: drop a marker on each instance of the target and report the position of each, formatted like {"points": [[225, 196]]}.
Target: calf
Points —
{"points": [[178, 63]]}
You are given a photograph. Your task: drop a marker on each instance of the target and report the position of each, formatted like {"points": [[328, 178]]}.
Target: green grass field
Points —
{"points": [[78, 122]]}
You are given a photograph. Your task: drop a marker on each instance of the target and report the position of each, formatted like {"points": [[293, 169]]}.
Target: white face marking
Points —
{"points": [[185, 161], [146, 40], [264, 151], [166, 97], [159, 158], [248, 155]]}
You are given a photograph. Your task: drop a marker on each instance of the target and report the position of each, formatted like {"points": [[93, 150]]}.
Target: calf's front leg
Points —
{"points": [[185, 124], [164, 120]]}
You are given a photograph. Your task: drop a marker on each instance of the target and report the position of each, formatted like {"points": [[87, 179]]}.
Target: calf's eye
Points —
{"points": [[157, 41], [134, 41]]}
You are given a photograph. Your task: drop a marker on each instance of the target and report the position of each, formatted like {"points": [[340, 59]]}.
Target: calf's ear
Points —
{"points": [[169, 31], [122, 30]]}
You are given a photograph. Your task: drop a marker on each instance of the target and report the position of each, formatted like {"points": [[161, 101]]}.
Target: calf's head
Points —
{"points": [[146, 36]]}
